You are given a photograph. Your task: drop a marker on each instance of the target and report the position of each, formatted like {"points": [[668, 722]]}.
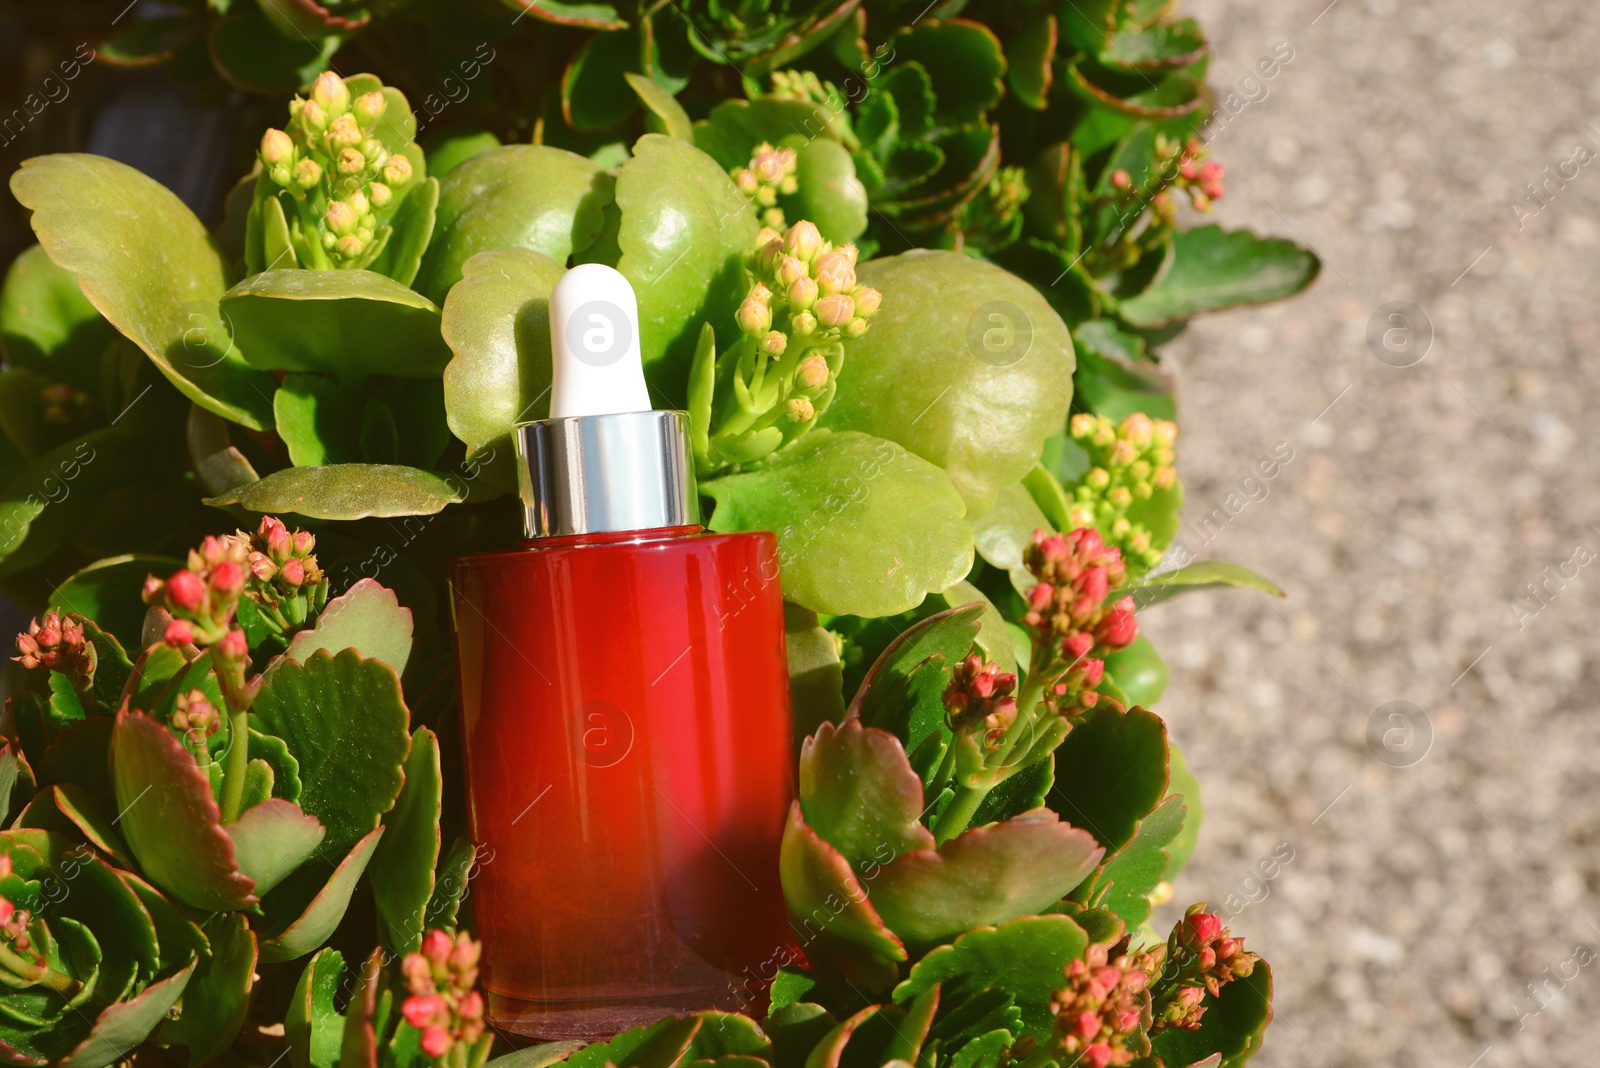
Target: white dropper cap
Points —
{"points": [[594, 345]]}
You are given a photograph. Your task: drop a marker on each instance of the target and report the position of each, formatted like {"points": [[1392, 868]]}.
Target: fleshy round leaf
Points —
{"points": [[305, 910], [1231, 1028], [412, 224], [345, 721], [1139, 672], [402, 875], [149, 266], [497, 322], [858, 792], [864, 528], [1216, 268], [1025, 957], [214, 1005], [669, 114], [272, 839], [170, 819], [986, 875], [830, 194], [849, 940], [347, 491], [368, 618], [46, 323], [529, 197], [1182, 782], [684, 233], [1111, 772], [964, 60], [965, 365], [1127, 880], [346, 323]]}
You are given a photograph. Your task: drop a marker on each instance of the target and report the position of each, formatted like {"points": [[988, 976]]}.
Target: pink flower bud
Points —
{"points": [[397, 171], [421, 1012], [1205, 925], [790, 270], [233, 645], [867, 300], [436, 946], [835, 310], [436, 1042], [1075, 646], [812, 372], [802, 294], [344, 133], [800, 409], [369, 107], [1120, 179], [775, 343], [185, 590], [304, 542], [227, 578], [834, 273], [276, 147], [754, 317], [179, 632], [307, 173]]}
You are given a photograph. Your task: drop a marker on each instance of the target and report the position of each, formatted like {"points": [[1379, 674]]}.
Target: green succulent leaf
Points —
{"points": [[219, 464], [864, 528], [345, 720], [1003, 532], [1139, 672], [1032, 50], [95, 217], [1124, 884], [859, 794], [497, 322], [850, 940], [541, 1055], [214, 1005], [69, 810], [1166, 44], [685, 230], [669, 116], [1216, 268], [347, 491], [402, 878], [123, 1026], [1205, 575], [1111, 772], [1232, 1027], [368, 618], [901, 692], [312, 1026], [272, 839], [107, 591], [412, 228], [659, 1045], [170, 819], [734, 128], [350, 324], [964, 59], [987, 875], [1020, 793], [816, 678], [453, 147], [965, 365], [830, 194], [304, 911], [249, 51], [1025, 958], [520, 197], [589, 14], [46, 323], [1182, 782]]}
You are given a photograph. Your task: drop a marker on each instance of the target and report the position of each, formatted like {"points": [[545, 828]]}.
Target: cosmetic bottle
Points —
{"points": [[624, 713]]}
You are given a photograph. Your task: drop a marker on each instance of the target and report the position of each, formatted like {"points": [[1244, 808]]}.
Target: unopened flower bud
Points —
{"points": [[835, 310], [186, 590], [867, 299], [747, 181], [178, 632], [313, 117], [855, 327], [233, 645], [369, 108], [803, 241], [834, 274], [800, 409], [380, 194], [804, 324], [812, 372], [350, 246], [791, 269], [359, 204], [227, 578], [1081, 425], [754, 317], [340, 218], [351, 162], [397, 171], [1120, 179], [775, 343], [849, 253], [276, 147], [307, 173], [331, 93], [802, 294]]}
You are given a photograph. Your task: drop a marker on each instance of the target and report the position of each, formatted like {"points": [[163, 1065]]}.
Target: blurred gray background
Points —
{"points": [[1442, 907]]}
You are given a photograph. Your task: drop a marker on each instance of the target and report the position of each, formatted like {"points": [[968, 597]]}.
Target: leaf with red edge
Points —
{"points": [[272, 839], [1030, 57], [126, 1024], [171, 821], [360, 1046], [830, 913], [860, 795], [589, 14], [987, 875], [306, 908], [214, 1007]]}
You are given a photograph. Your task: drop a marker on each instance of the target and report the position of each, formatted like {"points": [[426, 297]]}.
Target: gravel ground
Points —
{"points": [[1442, 907]]}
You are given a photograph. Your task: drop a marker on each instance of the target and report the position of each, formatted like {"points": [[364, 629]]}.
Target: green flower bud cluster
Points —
{"points": [[802, 303], [771, 173], [341, 180], [1130, 462]]}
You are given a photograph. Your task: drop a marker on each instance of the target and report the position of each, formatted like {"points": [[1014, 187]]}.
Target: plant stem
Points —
{"points": [[238, 765], [965, 803]]}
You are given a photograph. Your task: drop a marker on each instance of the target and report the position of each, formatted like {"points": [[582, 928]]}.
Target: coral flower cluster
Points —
{"points": [[1069, 613], [441, 1001]]}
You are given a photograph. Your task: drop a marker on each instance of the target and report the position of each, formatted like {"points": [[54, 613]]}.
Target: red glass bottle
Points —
{"points": [[625, 719]]}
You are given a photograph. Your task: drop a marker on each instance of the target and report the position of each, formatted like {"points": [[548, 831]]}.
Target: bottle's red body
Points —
{"points": [[625, 720]]}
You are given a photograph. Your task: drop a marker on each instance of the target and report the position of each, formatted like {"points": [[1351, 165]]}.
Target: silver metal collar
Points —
{"points": [[597, 473]]}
